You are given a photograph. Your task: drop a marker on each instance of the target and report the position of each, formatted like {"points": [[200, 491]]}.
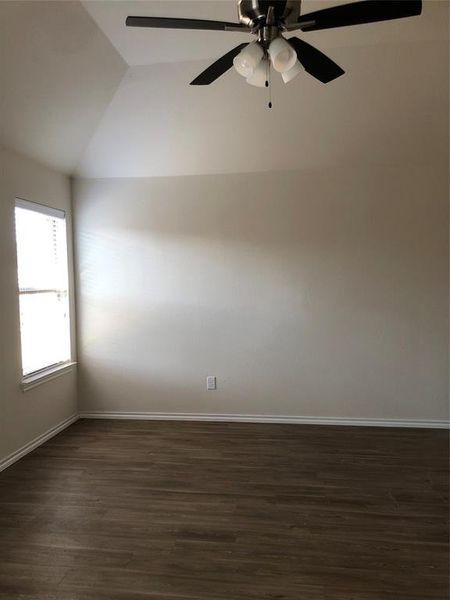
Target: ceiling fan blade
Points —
{"points": [[218, 68], [169, 23], [315, 62], [365, 11]]}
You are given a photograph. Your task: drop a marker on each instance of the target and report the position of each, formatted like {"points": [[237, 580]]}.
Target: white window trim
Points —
{"points": [[41, 208], [34, 379]]}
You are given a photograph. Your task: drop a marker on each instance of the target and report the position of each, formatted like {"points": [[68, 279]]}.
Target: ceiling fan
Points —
{"points": [[268, 20]]}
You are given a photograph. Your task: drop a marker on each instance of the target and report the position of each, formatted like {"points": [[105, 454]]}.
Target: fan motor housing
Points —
{"points": [[253, 12]]}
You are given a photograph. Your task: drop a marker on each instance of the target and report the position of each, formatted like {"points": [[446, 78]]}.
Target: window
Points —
{"points": [[43, 287]]}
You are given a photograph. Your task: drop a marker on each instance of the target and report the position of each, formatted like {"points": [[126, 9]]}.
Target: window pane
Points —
{"points": [[44, 326], [43, 288], [41, 250]]}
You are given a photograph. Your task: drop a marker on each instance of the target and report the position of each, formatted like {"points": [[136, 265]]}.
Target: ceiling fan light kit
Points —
{"points": [[280, 54], [268, 20]]}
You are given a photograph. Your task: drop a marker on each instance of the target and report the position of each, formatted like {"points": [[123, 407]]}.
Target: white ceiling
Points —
{"points": [[144, 46], [57, 74], [68, 99], [390, 107], [151, 46]]}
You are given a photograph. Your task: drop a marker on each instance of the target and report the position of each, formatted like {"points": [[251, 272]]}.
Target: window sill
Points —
{"points": [[31, 381]]}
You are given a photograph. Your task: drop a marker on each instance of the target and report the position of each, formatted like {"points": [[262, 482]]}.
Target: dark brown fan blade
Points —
{"points": [[169, 23], [365, 11], [315, 62], [218, 68]]}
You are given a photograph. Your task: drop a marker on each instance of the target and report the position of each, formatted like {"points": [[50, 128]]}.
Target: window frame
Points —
{"points": [[35, 378]]}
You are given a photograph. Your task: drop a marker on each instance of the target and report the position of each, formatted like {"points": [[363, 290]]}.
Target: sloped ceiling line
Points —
{"points": [[70, 100]]}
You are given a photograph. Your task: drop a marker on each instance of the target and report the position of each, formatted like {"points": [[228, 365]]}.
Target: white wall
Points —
{"points": [[26, 415], [315, 293]]}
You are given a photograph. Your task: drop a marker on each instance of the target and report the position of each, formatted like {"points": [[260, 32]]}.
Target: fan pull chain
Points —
{"points": [[269, 85]]}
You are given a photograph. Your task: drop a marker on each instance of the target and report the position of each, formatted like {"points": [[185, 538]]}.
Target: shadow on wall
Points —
{"points": [[302, 207]]}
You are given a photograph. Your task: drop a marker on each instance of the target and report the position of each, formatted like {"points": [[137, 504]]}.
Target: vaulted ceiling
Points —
{"points": [[84, 94], [58, 72]]}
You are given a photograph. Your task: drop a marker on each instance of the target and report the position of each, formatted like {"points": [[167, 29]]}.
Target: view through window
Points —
{"points": [[43, 286]]}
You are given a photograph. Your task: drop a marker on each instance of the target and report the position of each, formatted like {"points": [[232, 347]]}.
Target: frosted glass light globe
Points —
{"points": [[293, 72], [248, 59], [260, 74], [282, 55]]}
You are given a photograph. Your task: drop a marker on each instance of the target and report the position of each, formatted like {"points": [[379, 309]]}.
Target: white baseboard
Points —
{"points": [[15, 456], [156, 416], [236, 418]]}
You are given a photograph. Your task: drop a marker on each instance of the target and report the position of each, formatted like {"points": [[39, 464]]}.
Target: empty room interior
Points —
{"points": [[224, 300]]}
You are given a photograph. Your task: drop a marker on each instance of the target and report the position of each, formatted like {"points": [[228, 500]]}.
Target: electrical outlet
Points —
{"points": [[211, 382]]}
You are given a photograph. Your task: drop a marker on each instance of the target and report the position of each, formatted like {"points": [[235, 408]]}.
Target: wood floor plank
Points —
{"points": [[128, 510]]}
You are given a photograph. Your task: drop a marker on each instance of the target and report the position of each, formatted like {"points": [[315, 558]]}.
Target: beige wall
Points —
{"points": [[26, 415], [316, 293]]}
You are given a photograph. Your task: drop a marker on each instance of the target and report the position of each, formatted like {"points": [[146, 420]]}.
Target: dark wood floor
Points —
{"points": [[129, 510]]}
